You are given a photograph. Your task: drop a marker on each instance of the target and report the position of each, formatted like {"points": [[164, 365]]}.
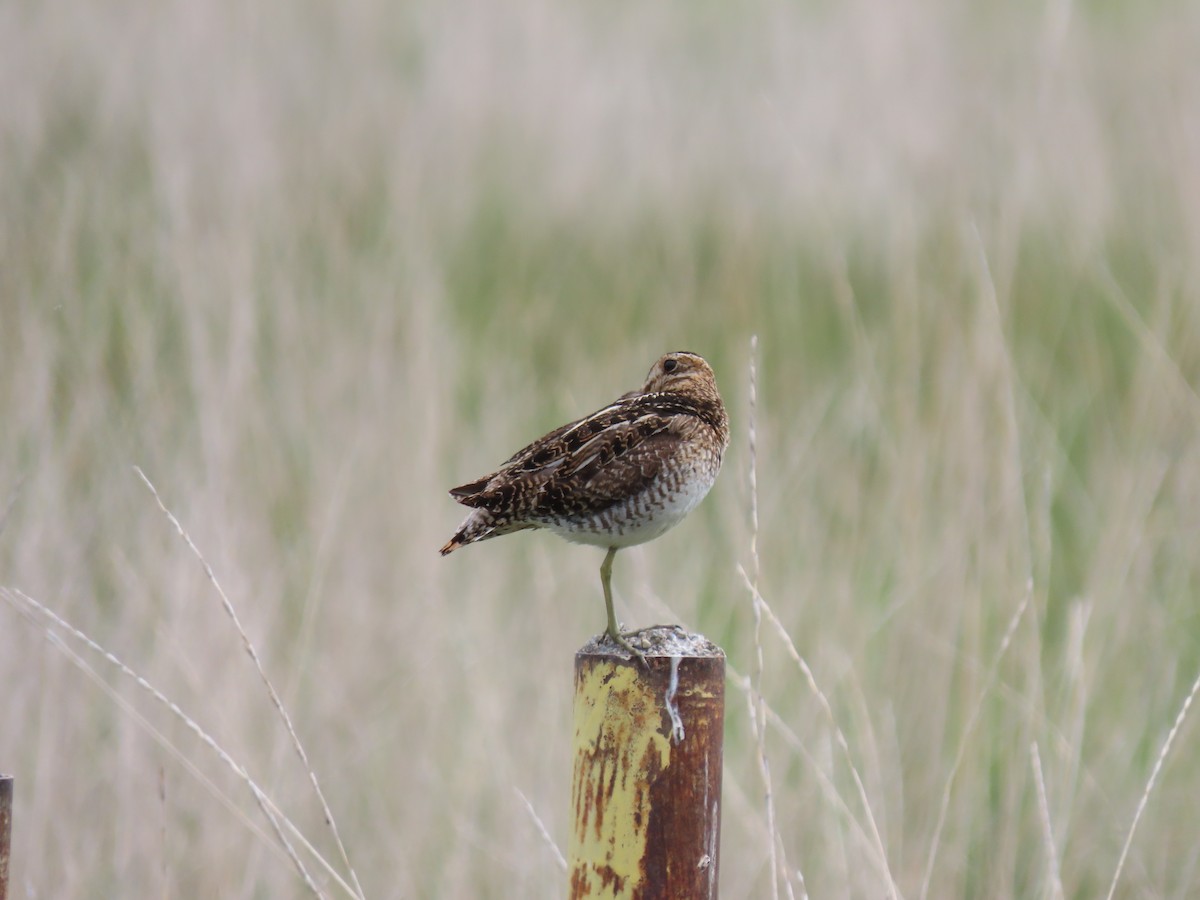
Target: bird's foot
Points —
{"points": [[620, 639]]}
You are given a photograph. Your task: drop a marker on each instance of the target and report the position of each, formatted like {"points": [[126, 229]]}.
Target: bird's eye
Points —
{"points": [[670, 365]]}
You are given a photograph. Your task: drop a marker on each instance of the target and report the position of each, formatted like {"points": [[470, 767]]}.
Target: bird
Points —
{"points": [[616, 478]]}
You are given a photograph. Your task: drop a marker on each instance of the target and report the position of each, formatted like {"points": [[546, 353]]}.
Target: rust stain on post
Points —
{"points": [[646, 785], [6, 796]]}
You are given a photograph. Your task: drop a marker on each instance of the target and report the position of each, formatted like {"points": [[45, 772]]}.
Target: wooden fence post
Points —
{"points": [[6, 796], [646, 784]]}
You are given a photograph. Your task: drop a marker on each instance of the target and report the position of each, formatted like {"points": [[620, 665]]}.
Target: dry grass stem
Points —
{"points": [[967, 733], [1047, 826], [778, 860], [542, 830], [880, 852], [16, 597], [1145, 798], [227, 605]]}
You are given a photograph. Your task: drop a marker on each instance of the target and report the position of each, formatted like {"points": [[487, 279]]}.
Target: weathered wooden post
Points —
{"points": [[646, 786], [6, 797]]}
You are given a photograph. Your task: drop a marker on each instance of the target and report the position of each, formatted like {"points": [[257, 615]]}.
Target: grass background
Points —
{"points": [[308, 266]]}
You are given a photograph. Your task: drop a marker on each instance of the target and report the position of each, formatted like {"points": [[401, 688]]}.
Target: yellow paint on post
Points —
{"points": [[618, 749]]}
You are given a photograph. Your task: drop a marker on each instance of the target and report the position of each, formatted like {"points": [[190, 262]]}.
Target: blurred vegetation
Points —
{"points": [[309, 267]]}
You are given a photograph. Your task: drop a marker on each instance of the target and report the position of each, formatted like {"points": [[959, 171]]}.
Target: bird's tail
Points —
{"points": [[453, 544], [479, 526]]}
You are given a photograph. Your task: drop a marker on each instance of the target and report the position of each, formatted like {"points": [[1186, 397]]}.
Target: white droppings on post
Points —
{"points": [[677, 733], [715, 817]]}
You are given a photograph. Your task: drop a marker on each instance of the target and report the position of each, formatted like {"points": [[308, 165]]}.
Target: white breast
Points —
{"points": [[640, 518]]}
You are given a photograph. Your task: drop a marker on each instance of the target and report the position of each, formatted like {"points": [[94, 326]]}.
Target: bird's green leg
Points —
{"points": [[614, 630]]}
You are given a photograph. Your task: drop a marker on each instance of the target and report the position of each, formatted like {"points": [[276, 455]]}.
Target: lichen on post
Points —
{"points": [[646, 784]]}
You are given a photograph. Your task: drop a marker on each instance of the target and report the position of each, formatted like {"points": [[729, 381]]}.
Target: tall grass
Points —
{"points": [[309, 266]]}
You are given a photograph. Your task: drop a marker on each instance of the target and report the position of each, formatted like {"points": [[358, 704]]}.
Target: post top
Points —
{"points": [[657, 640]]}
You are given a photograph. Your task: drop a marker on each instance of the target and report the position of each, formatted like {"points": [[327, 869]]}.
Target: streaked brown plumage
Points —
{"points": [[619, 477]]}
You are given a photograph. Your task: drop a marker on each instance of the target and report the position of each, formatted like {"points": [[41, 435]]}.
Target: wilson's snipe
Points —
{"points": [[619, 477]]}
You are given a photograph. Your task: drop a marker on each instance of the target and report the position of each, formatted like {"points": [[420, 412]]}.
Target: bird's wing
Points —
{"points": [[586, 465], [614, 465], [536, 462]]}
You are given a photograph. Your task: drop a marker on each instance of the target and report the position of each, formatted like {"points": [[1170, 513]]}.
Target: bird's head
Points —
{"points": [[681, 372]]}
